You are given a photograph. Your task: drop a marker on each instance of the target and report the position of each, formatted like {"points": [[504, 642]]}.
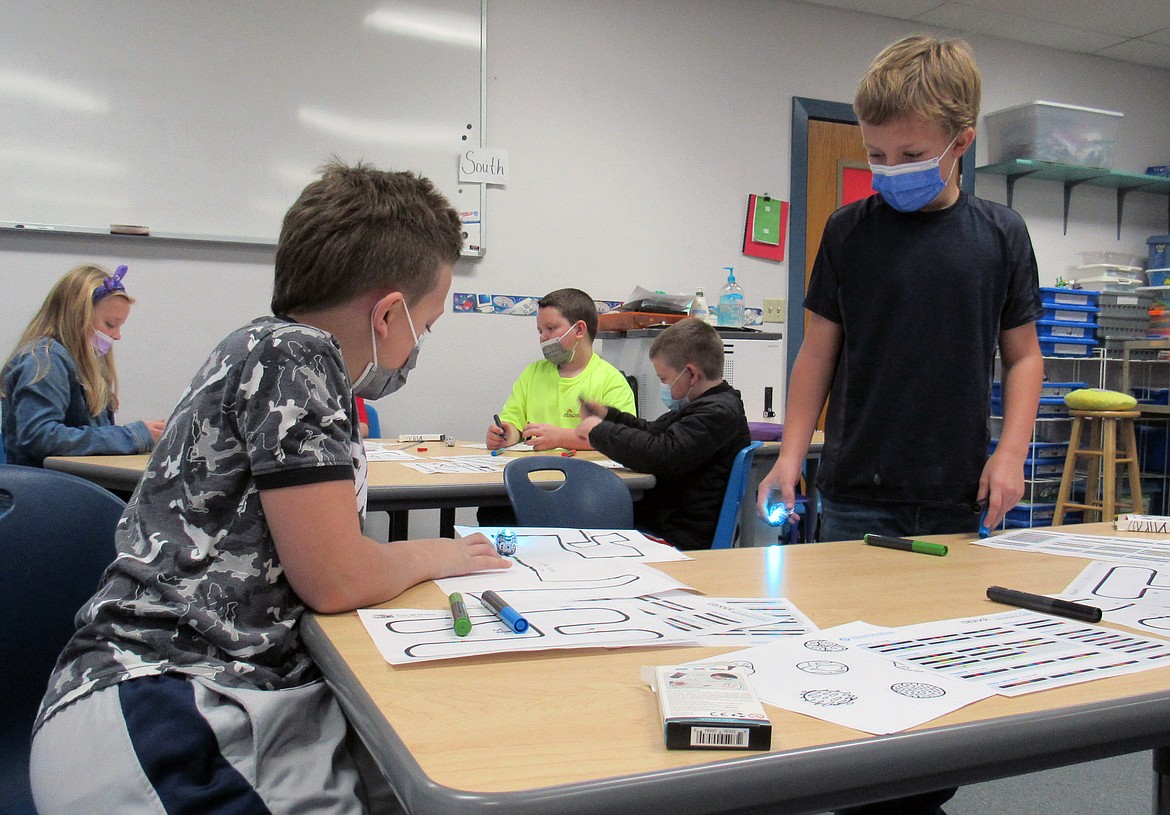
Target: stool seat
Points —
{"points": [[1112, 442]]}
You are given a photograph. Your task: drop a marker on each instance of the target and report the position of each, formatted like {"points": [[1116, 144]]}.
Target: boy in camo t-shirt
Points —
{"points": [[187, 686]]}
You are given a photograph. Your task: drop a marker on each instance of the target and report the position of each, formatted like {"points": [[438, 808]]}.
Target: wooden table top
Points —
{"points": [[512, 722]]}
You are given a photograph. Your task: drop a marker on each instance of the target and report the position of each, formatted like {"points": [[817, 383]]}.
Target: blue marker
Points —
{"points": [[504, 611], [982, 508]]}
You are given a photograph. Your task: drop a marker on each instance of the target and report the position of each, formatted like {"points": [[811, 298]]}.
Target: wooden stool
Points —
{"points": [[1102, 454]]}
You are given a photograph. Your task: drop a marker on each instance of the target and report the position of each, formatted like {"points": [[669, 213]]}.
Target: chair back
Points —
{"points": [[728, 525], [373, 422], [56, 539], [590, 497]]}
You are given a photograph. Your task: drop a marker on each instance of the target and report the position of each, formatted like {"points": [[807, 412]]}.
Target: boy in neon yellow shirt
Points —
{"points": [[545, 406]]}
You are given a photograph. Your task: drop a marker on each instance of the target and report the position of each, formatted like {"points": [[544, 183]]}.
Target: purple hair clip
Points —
{"points": [[110, 284]]}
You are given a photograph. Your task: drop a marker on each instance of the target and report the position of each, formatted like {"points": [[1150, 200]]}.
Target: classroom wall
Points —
{"points": [[635, 132]]}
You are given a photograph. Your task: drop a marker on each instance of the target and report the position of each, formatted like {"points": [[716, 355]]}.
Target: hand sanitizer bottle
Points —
{"points": [[731, 302], [699, 306]]}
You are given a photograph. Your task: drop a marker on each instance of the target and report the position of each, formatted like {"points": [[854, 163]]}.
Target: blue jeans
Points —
{"points": [[849, 520]]}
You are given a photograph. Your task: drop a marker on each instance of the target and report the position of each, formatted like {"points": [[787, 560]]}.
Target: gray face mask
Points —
{"points": [[376, 381], [556, 353]]}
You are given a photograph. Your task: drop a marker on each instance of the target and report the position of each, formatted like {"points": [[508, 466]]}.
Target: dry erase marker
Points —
{"points": [[568, 454], [921, 547], [460, 621], [504, 611], [500, 425], [1043, 604]]}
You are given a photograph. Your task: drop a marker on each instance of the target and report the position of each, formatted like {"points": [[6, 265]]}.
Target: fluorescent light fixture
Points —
{"points": [[372, 130], [51, 93], [428, 24]]}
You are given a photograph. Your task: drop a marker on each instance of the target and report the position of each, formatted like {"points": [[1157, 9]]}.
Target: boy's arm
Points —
{"points": [[1002, 482], [334, 568], [808, 388]]}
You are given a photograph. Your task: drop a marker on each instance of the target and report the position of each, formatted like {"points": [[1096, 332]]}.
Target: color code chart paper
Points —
{"points": [[1018, 652], [1094, 547]]}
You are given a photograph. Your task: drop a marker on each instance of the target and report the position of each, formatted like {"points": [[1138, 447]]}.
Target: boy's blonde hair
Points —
{"points": [[690, 341], [67, 317], [924, 77]]}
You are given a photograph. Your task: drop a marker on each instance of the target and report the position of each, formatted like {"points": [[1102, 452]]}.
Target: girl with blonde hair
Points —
{"points": [[59, 390]]}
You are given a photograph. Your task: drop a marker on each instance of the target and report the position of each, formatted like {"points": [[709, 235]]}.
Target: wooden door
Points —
{"points": [[834, 150]]}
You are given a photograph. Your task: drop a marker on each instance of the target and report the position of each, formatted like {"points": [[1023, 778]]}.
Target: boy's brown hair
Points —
{"points": [[690, 341], [574, 305], [924, 77], [359, 229]]}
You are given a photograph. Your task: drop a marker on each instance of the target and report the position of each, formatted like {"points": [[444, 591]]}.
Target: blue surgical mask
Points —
{"points": [[376, 381], [909, 187], [672, 404], [556, 353]]}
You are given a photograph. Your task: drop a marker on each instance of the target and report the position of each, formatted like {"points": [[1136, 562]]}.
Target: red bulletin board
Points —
{"points": [[767, 251]]}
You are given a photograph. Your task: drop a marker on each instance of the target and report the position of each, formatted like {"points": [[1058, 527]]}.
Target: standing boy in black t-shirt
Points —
{"points": [[912, 292]]}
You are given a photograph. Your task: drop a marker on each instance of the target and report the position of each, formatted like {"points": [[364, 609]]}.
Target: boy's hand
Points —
{"points": [[592, 409], [586, 425], [781, 480], [549, 436], [475, 553], [497, 436]]}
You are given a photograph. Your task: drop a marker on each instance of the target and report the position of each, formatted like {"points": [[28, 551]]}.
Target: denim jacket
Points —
{"points": [[50, 417]]}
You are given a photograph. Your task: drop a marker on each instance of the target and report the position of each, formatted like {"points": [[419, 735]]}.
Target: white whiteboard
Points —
{"points": [[205, 119]]}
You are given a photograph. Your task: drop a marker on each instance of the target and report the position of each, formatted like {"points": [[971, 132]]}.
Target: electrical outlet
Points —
{"points": [[775, 309]]}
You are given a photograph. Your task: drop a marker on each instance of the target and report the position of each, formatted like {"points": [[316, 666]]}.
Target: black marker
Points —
{"points": [[1045, 605]]}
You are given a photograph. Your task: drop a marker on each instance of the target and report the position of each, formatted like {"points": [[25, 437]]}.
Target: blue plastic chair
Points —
{"points": [[728, 526], [590, 497], [56, 538], [373, 422]]}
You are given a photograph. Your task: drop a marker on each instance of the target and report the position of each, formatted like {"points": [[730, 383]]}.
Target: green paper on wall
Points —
{"points": [[766, 224]]}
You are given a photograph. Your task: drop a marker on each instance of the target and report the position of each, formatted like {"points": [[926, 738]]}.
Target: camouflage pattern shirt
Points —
{"points": [[197, 586]]}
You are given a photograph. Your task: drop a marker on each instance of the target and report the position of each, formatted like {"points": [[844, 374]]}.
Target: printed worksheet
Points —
{"points": [[1095, 547], [820, 676], [1017, 652], [559, 620], [1131, 595], [571, 544], [377, 451], [416, 635], [457, 465]]}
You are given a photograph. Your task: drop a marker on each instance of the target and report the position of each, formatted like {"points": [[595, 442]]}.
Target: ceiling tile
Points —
{"points": [[1015, 27], [1128, 18], [1141, 52], [1161, 37]]}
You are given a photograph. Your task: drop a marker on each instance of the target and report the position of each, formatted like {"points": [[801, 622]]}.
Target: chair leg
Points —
{"points": [[1070, 469]]}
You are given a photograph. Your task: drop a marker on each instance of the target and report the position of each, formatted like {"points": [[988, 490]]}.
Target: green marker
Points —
{"points": [[921, 547], [460, 621]]}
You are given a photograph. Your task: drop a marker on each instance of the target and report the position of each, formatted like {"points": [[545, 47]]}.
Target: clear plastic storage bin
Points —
{"points": [[1050, 131]]}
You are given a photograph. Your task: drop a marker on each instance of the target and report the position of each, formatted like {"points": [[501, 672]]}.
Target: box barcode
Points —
{"points": [[719, 737]]}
